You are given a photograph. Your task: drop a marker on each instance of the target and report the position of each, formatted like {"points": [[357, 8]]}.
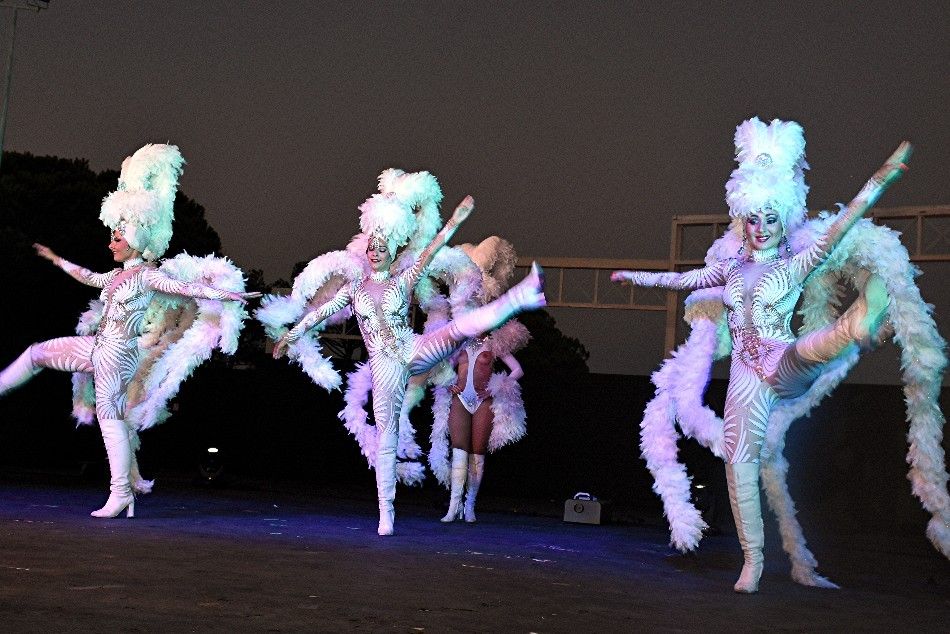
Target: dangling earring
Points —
{"points": [[745, 239], [788, 247]]}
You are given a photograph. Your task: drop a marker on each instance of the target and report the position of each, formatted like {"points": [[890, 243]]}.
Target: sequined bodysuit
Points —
{"points": [[764, 366]]}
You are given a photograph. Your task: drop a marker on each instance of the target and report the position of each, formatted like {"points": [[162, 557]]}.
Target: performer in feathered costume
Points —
{"points": [[146, 333], [324, 276], [754, 278], [380, 301], [477, 410]]}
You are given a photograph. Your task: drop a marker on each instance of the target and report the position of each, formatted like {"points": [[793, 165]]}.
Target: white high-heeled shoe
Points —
{"points": [[115, 436], [743, 481], [476, 469], [115, 505], [459, 474]]}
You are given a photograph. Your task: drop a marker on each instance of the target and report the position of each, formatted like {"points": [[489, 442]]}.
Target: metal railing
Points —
{"points": [[585, 282]]}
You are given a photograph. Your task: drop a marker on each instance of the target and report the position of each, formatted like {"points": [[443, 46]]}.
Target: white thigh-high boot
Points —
{"points": [[459, 474], [743, 481], [18, 372], [476, 469], [528, 294], [386, 482], [115, 436]]}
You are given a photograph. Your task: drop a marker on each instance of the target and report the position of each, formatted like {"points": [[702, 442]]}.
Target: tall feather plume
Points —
{"points": [[144, 203], [771, 168], [421, 193]]}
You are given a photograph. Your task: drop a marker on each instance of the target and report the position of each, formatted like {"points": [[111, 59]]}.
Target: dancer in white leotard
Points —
{"points": [[480, 400], [766, 194], [140, 218]]}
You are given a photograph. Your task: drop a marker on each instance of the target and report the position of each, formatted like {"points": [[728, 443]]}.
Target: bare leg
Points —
{"points": [[482, 422], [460, 426]]}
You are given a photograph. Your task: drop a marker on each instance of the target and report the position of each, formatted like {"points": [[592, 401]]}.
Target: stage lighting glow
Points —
{"points": [[212, 450]]}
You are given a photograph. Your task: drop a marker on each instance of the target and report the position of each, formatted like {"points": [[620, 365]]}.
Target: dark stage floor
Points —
{"points": [[201, 560]]}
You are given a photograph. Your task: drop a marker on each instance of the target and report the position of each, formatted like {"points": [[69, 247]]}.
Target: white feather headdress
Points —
{"points": [[496, 258], [143, 206], [771, 173], [405, 211]]}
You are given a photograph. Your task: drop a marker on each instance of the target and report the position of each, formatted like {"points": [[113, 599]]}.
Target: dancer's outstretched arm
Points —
{"points": [[892, 170], [707, 277], [462, 212], [883, 178], [81, 274], [159, 281], [315, 317]]}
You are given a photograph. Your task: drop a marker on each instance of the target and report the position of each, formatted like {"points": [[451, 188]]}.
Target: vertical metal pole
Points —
{"points": [[6, 84], [672, 297]]}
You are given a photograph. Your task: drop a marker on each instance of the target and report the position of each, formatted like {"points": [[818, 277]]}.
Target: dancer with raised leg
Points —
{"points": [[139, 215], [762, 284], [380, 302]]}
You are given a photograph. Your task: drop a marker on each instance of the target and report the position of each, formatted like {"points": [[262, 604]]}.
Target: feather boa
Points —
{"points": [[682, 380]]}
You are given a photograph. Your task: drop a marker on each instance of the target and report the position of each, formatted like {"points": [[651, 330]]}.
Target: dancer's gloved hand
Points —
{"points": [[280, 347], [463, 211], [45, 252], [895, 166], [243, 297]]}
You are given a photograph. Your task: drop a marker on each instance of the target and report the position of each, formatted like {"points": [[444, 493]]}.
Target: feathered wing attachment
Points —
{"points": [[322, 278], [181, 333], [507, 405], [878, 250], [682, 380]]}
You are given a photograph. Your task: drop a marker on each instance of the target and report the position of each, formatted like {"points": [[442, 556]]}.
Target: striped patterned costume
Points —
{"points": [[112, 354], [768, 363]]}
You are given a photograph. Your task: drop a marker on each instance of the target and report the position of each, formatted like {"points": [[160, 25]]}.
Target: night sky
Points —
{"points": [[579, 128]]}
